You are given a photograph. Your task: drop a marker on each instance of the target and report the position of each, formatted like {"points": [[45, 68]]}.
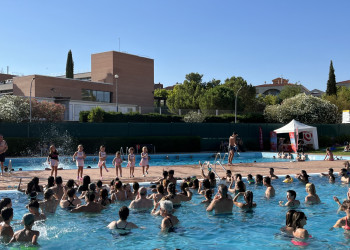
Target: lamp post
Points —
{"points": [[236, 104], [30, 100], [116, 90]]}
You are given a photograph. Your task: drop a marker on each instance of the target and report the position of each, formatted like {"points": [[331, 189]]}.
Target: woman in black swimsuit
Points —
{"points": [[123, 227], [170, 221]]}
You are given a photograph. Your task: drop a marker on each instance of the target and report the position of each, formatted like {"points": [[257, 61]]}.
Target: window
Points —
{"points": [[95, 95]]}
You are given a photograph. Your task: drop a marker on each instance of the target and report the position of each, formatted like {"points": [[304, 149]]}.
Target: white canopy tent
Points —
{"points": [[295, 126]]}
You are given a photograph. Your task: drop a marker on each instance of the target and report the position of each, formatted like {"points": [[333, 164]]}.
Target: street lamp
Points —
{"points": [[30, 100], [236, 104], [116, 90]]}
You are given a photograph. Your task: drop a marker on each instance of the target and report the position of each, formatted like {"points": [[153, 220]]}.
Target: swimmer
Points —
{"points": [[288, 179], [33, 208], [289, 223], [345, 177], [345, 221], [270, 191], [159, 195], [58, 188], [222, 202], [170, 221], [259, 180], [102, 156], [250, 179], [5, 203], [292, 202], [194, 184], [26, 234], [69, 199], [289, 156], [299, 221], [85, 185], [50, 182], [171, 177], [239, 187], [131, 161], [104, 200], [228, 176], [312, 197], [122, 225], [79, 156], [272, 174], [6, 231], [248, 198], [303, 177], [90, 207], [117, 163], [208, 197], [52, 159], [330, 175], [141, 202], [144, 161], [50, 203], [120, 193], [175, 198], [127, 189], [204, 186], [135, 187]]}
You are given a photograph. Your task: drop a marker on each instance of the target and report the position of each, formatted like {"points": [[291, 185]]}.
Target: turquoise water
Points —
{"points": [[39, 163], [259, 229]]}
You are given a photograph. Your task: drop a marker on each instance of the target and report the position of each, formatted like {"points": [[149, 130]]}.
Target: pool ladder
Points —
{"points": [[124, 154], [208, 165]]}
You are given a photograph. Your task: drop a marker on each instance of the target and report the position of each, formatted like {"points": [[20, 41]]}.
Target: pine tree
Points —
{"points": [[331, 83], [70, 65]]}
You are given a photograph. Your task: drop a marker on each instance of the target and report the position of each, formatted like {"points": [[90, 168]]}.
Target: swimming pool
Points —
{"points": [[259, 229], [39, 163]]}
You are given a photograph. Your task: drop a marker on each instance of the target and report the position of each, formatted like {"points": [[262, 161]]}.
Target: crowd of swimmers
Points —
{"points": [[162, 198]]}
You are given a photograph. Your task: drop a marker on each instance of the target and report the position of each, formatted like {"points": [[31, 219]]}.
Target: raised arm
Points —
{"points": [[236, 203]]}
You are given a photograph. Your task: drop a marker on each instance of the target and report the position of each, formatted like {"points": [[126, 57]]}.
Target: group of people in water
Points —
{"points": [[162, 198]]}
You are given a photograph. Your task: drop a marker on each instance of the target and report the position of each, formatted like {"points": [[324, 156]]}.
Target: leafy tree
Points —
{"points": [[14, 108], [220, 97], [194, 77], [289, 91], [262, 101], [304, 108], [96, 115], [341, 100], [161, 93], [194, 117], [331, 83], [211, 84], [70, 65]]}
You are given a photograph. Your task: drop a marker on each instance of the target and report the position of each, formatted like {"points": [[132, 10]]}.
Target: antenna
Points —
{"points": [[8, 68], [119, 43]]}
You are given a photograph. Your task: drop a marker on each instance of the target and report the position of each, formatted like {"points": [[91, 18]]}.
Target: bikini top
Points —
{"points": [[70, 205], [346, 227], [171, 228]]}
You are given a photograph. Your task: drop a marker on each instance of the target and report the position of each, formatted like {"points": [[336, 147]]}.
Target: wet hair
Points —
{"points": [[123, 213], [135, 187], [91, 196], [238, 176], [310, 187], [172, 188], [167, 206], [208, 194], [111, 183], [223, 190], [249, 176], [160, 189], [50, 182], [272, 170], [228, 171], [183, 186], [48, 194], [58, 180], [4, 202], [118, 184], [206, 184], [305, 175], [345, 205], [70, 183], [92, 186], [297, 217], [33, 204], [211, 176], [343, 172], [6, 213], [287, 176], [165, 174], [30, 187], [36, 184], [104, 194], [71, 193], [86, 182], [292, 193], [28, 219], [267, 180], [195, 183], [240, 186], [171, 172], [249, 197], [99, 183], [258, 178], [289, 218], [331, 170]]}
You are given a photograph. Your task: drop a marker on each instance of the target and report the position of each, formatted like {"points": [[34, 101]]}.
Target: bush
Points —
{"points": [[96, 115], [14, 108], [194, 117], [83, 116], [227, 118]]}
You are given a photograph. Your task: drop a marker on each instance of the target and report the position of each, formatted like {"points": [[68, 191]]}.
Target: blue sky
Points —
{"points": [[258, 40]]}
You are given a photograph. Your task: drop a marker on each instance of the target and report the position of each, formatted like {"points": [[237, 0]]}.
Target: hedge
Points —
{"points": [[226, 118]]}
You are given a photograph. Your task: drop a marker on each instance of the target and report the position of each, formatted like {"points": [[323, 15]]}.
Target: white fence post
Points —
{"points": [[216, 112], [179, 111]]}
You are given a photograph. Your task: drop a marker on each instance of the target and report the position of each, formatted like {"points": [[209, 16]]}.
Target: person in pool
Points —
{"points": [[104, 200], [204, 186], [250, 179], [239, 187], [345, 221], [289, 223], [272, 174], [166, 211], [208, 197], [50, 203], [303, 177], [33, 208], [288, 179], [222, 202], [312, 197], [69, 199], [58, 188], [26, 234], [228, 176], [259, 180], [122, 225], [299, 221], [345, 177], [171, 177], [141, 202], [4, 203], [119, 194], [292, 202], [248, 198], [90, 207], [156, 197], [270, 191], [6, 231]]}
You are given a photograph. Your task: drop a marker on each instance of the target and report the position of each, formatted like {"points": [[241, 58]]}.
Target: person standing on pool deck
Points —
{"points": [[79, 156], [102, 155], [117, 163], [232, 147], [52, 159], [144, 160], [3, 149], [131, 161]]}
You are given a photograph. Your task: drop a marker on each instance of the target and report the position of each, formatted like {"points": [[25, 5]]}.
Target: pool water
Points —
{"points": [[39, 163], [257, 229]]}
